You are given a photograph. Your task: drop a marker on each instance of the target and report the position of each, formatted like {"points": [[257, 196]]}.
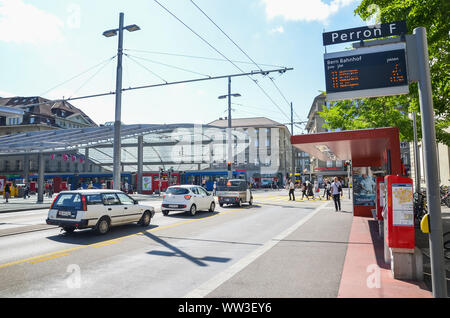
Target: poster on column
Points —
{"points": [[147, 184], [364, 187], [402, 205]]}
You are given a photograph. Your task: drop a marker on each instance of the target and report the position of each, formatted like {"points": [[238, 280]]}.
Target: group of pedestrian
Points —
{"points": [[331, 190], [8, 190]]}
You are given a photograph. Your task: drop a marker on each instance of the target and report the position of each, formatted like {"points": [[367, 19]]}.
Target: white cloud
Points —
{"points": [[24, 23], [303, 10], [279, 29]]}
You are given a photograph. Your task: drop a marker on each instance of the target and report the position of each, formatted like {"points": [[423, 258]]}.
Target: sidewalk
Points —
{"points": [[332, 255]]}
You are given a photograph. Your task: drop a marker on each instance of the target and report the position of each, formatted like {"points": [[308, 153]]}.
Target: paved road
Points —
{"points": [[176, 256]]}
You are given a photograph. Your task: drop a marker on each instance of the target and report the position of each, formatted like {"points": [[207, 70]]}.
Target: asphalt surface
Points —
{"points": [[228, 253]]}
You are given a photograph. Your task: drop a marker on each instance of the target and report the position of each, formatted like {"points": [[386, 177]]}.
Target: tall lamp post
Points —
{"points": [[118, 122], [230, 147]]}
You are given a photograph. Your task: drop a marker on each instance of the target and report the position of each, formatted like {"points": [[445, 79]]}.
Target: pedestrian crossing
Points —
{"points": [[283, 198]]}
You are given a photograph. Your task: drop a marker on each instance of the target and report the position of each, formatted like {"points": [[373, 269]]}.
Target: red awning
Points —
{"points": [[367, 147]]}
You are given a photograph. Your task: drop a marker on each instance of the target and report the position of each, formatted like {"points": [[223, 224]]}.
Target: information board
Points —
{"points": [[367, 72], [402, 205]]}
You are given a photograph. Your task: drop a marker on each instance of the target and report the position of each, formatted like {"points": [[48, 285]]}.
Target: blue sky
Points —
{"points": [[45, 43]]}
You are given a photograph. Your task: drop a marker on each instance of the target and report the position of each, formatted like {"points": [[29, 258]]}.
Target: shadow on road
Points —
{"points": [[176, 252]]}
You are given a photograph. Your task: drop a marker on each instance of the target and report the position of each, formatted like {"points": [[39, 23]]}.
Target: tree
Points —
{"points": [[394, 111]]}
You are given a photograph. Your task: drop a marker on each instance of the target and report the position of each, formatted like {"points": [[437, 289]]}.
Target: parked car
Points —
{"points": [[187, 198], [97, 209]]}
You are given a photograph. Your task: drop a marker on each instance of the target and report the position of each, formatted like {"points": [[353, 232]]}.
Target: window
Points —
{"points": [[68, 200], [202, 191], [177, 191], [110, 199], [125, 199], [94, 199]]}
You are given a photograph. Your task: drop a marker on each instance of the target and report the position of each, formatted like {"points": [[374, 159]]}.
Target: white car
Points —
{"points": [[97, 209], [187, 198]]}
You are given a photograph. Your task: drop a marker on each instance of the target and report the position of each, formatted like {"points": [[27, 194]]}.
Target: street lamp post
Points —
{"points": [[230, 147], [118, 112]]}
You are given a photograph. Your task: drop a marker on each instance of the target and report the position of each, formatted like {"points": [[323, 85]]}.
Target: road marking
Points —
{"points": [[105, 243], [215, 282], [48, 258]]}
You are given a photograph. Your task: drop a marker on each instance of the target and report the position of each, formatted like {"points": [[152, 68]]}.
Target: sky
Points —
{"points": [[55, 49]]}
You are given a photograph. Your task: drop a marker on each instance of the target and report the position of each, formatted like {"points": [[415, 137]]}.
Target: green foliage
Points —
{"points": [[434, 15]]}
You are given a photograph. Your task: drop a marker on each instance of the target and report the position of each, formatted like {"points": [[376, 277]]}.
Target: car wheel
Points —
{"points": [[69, 230], [221, 205], [193, 210], [145, 220], [239, 204], [212, 207], [251, 201], [102, 226], [165, 212]]}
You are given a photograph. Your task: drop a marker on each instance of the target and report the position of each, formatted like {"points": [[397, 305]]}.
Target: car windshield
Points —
{"points": [[68, 200], [177, 191], [232, 185]]}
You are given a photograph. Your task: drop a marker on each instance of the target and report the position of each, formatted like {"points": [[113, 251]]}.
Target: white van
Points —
{"points": [[97, 209]]}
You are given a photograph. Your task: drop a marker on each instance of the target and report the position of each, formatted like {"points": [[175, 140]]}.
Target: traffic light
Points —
{"points": [[229, 166], [347, 164]]}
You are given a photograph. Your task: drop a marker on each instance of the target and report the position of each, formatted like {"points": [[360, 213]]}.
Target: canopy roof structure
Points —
{"points": [[367, 147], [72, 139]]}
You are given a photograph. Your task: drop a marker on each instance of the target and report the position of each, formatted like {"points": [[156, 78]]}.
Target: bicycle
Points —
{"points": [[447, 245], [420, 207]]}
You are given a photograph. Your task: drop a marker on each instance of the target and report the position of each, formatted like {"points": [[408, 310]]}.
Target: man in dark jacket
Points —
{"points": [[7, 192]]}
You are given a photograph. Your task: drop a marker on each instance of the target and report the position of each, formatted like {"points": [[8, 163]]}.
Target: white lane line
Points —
{"points": [[216, 281]]}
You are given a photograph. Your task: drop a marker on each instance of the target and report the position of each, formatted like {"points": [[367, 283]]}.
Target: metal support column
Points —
{"points": [[230, 146], [140, 167], [438, 276], [41, 178], [118, 121]]}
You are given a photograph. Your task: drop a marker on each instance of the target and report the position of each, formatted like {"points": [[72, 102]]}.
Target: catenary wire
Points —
{"points": [[234, 64], [76, 76]]}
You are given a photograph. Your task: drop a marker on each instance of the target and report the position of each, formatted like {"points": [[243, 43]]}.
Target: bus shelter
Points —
{"points": [[373, 152]]}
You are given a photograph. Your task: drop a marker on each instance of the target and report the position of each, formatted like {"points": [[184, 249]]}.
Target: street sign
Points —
{"points": [[365, 33], [367, 72]]}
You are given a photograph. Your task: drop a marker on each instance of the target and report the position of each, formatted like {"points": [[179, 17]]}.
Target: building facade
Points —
{"points": [[26, 114]]}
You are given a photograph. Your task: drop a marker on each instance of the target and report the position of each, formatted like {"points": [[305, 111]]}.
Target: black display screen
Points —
{"points": [[366, 71]]}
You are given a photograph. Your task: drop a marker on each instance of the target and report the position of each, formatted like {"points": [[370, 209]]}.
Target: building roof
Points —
{"points": [[246, 122], [43, 106]]}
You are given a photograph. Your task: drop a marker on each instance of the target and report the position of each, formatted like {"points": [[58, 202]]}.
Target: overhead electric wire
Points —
{"points": [[210, 45], [90, 78], [198, 57], [76, 76], [150, 71], [226, 35], [240, 49], [168, 65]]}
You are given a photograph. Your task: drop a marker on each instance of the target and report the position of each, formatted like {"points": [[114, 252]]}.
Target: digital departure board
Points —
{"points": [[361, 73]]}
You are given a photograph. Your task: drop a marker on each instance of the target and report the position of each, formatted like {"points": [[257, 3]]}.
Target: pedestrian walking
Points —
{"points": [[316, 190], [335, 186], [26, 191], [309, 190], [303, 190], [215, 188], [291, 190], [7, 192]]}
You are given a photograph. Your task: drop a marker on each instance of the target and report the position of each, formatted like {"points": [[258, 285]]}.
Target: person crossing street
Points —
{"points": [[336, 193], [291, 190]]}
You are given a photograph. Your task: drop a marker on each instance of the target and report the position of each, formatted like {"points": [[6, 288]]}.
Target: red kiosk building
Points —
{"points": [[379, 148]]}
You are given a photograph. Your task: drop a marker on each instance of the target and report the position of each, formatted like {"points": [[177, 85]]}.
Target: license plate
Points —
{"points": [[65, 213], [173, 206]]}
